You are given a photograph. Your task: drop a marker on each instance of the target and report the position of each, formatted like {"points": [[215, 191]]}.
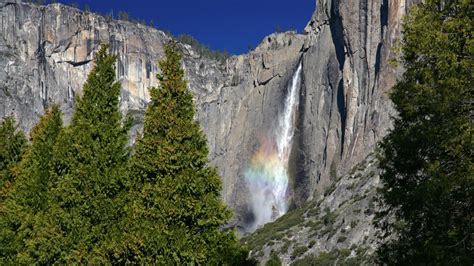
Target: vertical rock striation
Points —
{"points": [[345, 106]]}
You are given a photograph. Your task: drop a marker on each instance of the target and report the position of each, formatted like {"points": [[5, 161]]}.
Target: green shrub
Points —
{"points": [[354, 223], [313, 212], [324, 258], [351, 186], [368, 211], [314, 225], [285, 246], [275, 230], [202, 49], [298, 251], [274, 260], [329, 217], [330, 259], [327, 230], [330, 189], [333, 171], [314, 234], [341, 239]]}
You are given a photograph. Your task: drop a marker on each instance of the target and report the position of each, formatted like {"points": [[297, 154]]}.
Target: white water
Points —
{"points": [[287, 121], [267, 176]]}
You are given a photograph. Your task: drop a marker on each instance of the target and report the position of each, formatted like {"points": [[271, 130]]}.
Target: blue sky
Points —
{"points": [[234, 25]]}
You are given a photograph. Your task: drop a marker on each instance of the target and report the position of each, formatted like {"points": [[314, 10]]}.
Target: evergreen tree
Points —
{"points": [[89, 157], [29, 192], [12, 147], [427, 158], [35, 178], [175, 213]]}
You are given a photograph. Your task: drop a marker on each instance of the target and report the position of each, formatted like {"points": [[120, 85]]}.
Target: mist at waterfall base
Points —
{"points": [[267, 175], [267, 179]]}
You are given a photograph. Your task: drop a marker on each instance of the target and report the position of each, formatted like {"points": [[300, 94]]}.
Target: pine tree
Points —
{"points": [[427, 158], [12, 147], [90, 155], [29, 192], [175, 213], [36, 168]]}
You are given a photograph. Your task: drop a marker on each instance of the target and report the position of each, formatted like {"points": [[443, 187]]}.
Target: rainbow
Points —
{"points": [[267, 174], [267, 180]]}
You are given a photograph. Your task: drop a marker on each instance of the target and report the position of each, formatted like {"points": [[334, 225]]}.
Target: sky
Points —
{"points": [[234, 25]]}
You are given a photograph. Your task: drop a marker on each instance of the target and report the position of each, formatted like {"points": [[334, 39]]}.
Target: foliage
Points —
{"points": [[12, 147], [298, 251], [122, 15], [34, 180], [274, 260], [341, 239], [80, 167], [275, 230], [335, 257], [427, 158], [329, 190], [203, 49], [29, 193], [313, 211], [329, 217], [324, 259], [174, 209], [91, 155], [333, 172], [286, 245]]}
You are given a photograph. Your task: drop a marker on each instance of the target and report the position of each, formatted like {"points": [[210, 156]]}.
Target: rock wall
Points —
{"points": [[46, 53], [345, 109]]}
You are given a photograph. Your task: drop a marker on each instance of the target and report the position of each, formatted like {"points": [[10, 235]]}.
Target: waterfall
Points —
{"points": [[267, 175]]}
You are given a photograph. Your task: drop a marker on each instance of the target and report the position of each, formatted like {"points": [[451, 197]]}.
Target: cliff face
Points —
{"points": [[46, 52], [345, 108]]}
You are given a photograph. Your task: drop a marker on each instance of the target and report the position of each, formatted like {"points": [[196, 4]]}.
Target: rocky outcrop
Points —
{"points": [[46, 53]]}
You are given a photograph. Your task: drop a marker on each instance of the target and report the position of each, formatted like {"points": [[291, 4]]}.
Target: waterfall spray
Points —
{"points": [[267, 176]]}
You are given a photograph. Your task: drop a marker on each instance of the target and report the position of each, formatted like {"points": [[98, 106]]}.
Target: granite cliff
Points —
{"points": [[346, 110], [46, 53]]}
